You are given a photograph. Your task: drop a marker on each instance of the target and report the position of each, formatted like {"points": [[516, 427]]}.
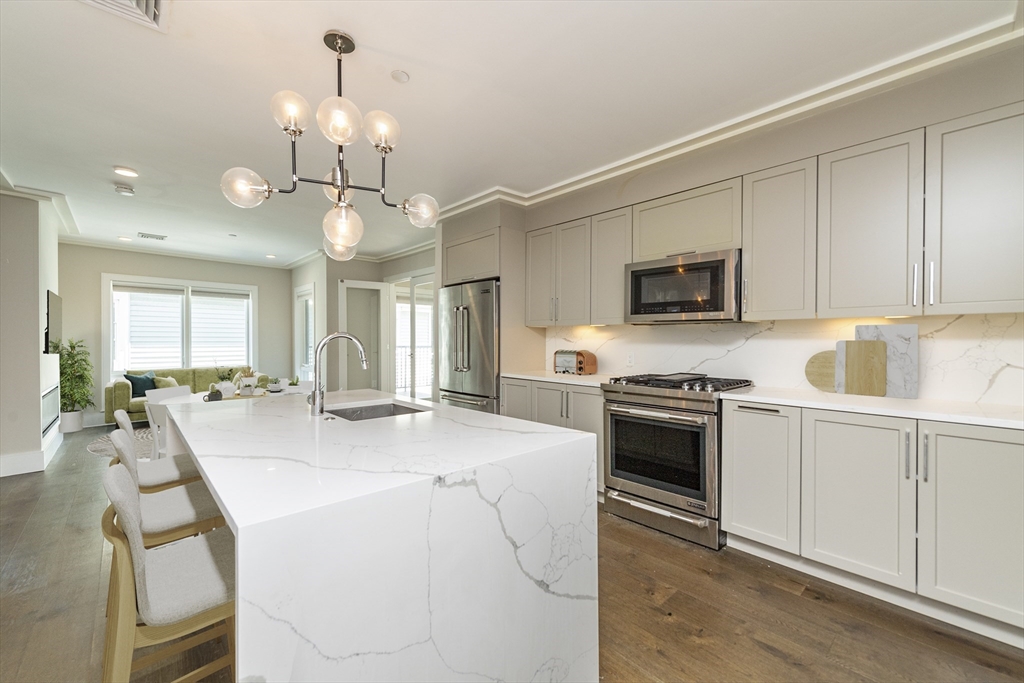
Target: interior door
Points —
{"points": [[363, 311], [414, 351]]}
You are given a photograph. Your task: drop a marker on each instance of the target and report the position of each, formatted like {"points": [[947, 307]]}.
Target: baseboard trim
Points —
{"points": [[51, 442], [12, 464], [990, 628]]}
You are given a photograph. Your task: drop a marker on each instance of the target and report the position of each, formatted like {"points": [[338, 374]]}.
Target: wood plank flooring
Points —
{"points": [[670, 610]]}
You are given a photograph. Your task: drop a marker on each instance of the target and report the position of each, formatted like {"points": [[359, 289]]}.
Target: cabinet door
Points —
{"points": [[471, 258], [585, 412], [871, 228], [611, 248], [859, 495], [779, 241], [761, 473], [974, 213], [515, 398], [548, 401], [540, 277], [703, 219], [572, 296], [971, 518]]}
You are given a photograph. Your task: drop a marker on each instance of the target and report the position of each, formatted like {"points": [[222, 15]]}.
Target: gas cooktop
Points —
{"points": [[683, 381]]}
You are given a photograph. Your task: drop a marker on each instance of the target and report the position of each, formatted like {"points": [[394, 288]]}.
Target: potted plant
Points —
{"points": [[224, 383], [75, 382], [247, 380]]}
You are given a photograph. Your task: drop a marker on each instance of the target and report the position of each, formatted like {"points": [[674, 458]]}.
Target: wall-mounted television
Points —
{"points": [[53, 320]]}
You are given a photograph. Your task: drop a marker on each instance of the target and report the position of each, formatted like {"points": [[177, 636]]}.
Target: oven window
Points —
{"points": [[666, 456]]}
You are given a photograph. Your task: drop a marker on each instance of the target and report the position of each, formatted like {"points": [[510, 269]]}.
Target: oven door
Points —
{"points": [[663, 455]]}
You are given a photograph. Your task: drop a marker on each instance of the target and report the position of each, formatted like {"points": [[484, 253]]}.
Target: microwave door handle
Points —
{"points": [[659, 416], [683, 253]]}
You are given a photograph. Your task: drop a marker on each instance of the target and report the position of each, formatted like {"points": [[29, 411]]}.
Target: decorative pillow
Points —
{"points": [[165, 382], [141, 384]]}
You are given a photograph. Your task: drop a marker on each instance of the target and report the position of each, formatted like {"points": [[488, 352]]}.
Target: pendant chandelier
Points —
{"points": [[339, 119]]}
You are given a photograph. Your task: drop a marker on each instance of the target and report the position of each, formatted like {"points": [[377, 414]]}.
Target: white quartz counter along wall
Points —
{"points": [[962, 358]]}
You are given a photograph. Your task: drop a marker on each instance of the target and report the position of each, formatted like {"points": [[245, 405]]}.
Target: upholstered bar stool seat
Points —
{"points": [[156, 475], [171, 513]]}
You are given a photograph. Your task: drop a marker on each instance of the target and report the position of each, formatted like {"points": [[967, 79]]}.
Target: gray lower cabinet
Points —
{"points": [[761, 473], [516, 398]]}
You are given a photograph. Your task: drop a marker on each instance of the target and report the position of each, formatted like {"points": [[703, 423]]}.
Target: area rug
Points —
{"points": [[103, 446]]}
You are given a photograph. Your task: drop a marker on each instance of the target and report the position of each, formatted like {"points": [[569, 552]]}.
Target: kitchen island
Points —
{"points": [[446, 544]]}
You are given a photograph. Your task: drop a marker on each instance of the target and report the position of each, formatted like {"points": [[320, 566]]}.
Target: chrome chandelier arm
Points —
{"points": [[295, 178]]}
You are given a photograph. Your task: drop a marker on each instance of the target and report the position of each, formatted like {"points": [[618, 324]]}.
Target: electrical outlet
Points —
{"points": [[630, 359]]}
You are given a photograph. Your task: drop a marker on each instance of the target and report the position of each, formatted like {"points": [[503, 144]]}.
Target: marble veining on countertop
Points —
{"points": [[268, 458], [552, 376], [981, 414]]}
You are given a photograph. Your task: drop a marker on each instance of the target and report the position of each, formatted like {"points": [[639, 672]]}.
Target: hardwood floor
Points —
{"points": [[670, 610]]}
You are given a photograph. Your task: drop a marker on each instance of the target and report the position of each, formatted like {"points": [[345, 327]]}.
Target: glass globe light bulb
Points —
{"points": [[332, 194], [381, 130], [343, 226], [339, 253], [243, 187], [290, 110], [339, 120], [422, 210]]}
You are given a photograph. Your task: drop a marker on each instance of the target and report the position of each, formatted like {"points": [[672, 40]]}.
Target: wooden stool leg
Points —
{"points": [[120, 632], [231, 647]]}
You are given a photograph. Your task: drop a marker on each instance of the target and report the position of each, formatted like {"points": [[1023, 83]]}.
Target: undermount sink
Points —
{"points": [[372, 412]]}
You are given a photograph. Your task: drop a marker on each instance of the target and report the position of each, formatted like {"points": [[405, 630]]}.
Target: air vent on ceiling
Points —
{"points": [[151, 13], [151, 236]]}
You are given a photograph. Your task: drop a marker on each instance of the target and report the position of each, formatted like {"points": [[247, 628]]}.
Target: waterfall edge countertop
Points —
{"points": [[439, 545]]}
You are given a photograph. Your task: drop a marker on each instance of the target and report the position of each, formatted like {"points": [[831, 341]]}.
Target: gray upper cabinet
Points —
{"points": [[703, 219], [471, 258], [611, 248], [871, 228], [558, 275], [974, 215], [779, 238]]}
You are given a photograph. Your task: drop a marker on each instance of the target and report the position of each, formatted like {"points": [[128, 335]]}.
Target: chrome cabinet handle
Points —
{"points": [[926, 457], [659, 416], [551, 309], [568, 415], [906, 464], [759, 410], [915, 285], [744, 295], [446, 397], [931, 283], [700, 524], [556, 308]]}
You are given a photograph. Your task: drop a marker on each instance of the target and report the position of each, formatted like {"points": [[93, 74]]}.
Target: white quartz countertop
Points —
{"points": [[551, 376], [267, 458], [982, 414]]}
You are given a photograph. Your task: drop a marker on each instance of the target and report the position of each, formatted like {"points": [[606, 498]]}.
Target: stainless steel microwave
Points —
{"points": [[686, 288]]}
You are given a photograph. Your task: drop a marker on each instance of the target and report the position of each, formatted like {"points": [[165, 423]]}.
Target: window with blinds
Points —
{"points": [[175, 327]]}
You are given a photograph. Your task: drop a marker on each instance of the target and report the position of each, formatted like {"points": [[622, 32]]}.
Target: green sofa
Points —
{"points": [[117, 395]]}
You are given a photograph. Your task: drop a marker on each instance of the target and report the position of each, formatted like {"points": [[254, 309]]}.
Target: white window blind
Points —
{"points": [[219, 329], [148, 325]]}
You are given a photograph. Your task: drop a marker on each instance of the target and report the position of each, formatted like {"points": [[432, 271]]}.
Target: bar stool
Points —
{"points": [[174, 512], [164, 593], [155, 475]]}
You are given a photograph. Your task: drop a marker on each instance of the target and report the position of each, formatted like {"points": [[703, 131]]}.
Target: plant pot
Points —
{"points": [[226, 388], [71, 422], [245, 390], [249, 381]]}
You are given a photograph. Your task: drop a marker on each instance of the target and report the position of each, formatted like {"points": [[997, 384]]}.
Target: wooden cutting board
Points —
{"points": [[821, 371], [864, 371]]}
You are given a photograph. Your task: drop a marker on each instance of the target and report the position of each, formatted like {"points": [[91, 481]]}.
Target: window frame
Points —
{"points": [[109, 280]]}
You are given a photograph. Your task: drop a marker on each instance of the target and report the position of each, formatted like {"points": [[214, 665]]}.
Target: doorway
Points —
{"points": [[364, 312], [304, 327], [414, 338]]}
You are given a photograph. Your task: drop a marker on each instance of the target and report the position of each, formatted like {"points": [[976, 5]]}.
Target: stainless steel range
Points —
{"points": [[662, 455]]}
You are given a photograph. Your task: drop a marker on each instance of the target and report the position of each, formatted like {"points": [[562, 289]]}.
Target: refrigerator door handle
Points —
{"points": [[465, 341], [458, 339]]}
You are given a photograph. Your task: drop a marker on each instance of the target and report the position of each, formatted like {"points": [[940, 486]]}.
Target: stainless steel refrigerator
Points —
{"points": [[468, 345]]}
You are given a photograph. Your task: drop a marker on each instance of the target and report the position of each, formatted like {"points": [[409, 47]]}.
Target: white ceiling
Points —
{"points": [[521, 95]]}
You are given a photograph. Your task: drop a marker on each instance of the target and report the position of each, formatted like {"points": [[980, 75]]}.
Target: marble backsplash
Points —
{"points": [[973, 358]]}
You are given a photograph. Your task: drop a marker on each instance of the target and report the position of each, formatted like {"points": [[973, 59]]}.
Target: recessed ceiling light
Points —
{"points": [[125, 239], [400, 76], [126, 172], [126, 190], [231, 234], [271, 256]]}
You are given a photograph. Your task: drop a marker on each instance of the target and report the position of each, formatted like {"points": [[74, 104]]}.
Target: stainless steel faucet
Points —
{"points": [[318, 388]]}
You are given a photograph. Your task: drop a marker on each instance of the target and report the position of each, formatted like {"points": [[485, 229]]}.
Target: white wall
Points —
{"points": [[313, 272], [49, 223], [81, 268], [971, 358]]}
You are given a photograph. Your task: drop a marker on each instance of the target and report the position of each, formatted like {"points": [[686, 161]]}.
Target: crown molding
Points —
{"points": [[988, 39], [120, 246], [303, 260], [59, 201], [426, 246]]}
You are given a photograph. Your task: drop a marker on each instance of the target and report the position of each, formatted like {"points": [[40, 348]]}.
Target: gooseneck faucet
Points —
{"points": [[318, 387]]}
